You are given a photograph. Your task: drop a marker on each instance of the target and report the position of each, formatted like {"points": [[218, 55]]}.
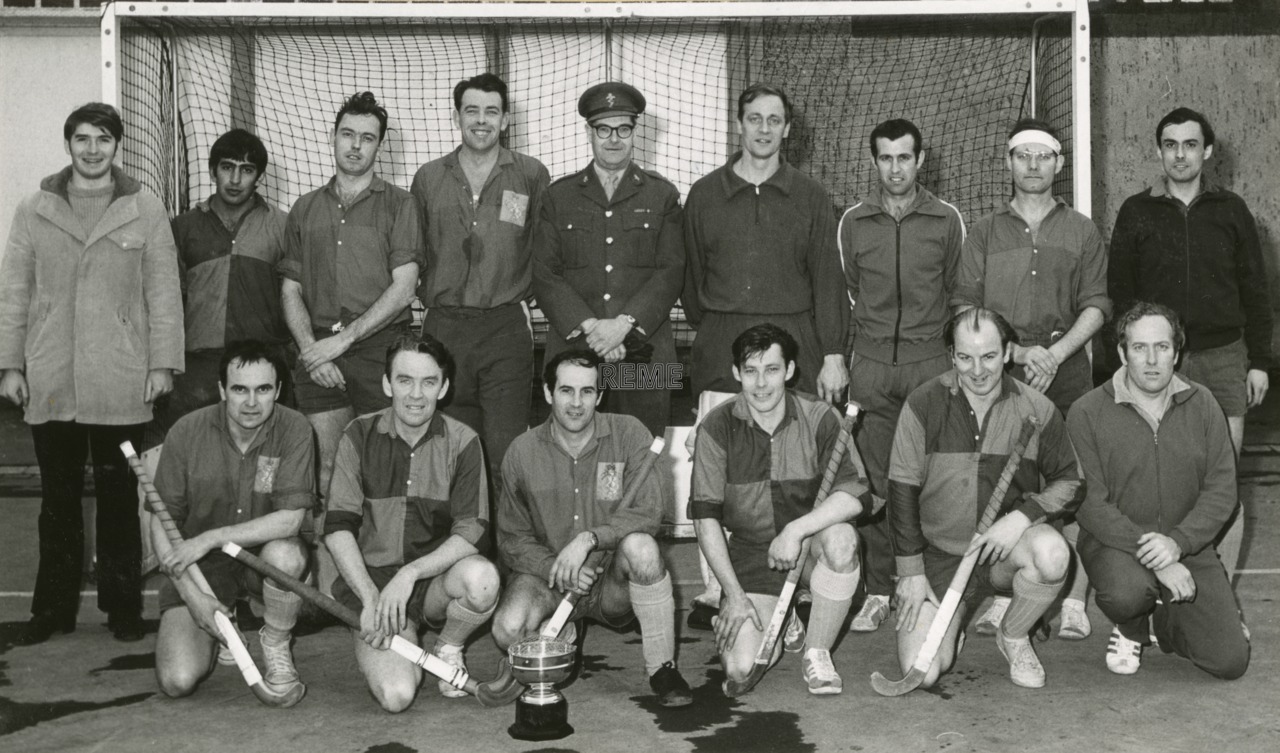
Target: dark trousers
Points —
{"points": [[1207, 630], [493, 365], [61, 450], [882, 389]]}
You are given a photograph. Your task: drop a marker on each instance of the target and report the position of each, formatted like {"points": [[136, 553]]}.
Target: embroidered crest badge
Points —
{"points": [[609, 481], [265, 480]]}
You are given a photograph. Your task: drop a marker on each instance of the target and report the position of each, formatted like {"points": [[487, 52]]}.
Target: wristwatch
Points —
{"points": [[630, 319]]}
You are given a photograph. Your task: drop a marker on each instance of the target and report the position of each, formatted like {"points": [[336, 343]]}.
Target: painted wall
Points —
{"points": [[46, 69]]}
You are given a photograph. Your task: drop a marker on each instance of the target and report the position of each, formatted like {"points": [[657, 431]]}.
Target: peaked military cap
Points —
{"points": [[609, 99]]}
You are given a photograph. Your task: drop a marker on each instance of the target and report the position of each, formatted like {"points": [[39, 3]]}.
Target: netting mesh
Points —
{"points": [[963, 81]]}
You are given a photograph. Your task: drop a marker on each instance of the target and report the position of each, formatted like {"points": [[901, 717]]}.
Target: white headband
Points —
{"points": [[1034, 136]]}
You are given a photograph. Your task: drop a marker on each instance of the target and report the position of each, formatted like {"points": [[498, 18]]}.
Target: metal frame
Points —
{"points": [[1078, 10]]}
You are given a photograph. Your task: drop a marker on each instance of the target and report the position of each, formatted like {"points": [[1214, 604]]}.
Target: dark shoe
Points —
{"points": [[127, 629], [42, 626], [700, 617], [671, 688]]}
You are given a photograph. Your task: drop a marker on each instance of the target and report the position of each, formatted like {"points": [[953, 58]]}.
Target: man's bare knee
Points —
{"points": [[480, 583], [839, 547], [643, 558], [177, 683], [289, 555], [1050, 555], [394, 697]]}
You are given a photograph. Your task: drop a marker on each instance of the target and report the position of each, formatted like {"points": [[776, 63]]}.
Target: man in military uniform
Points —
{"points": [[609, 260]]}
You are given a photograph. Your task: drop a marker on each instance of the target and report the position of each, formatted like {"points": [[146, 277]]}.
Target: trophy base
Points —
{"points": [[549, 722]]}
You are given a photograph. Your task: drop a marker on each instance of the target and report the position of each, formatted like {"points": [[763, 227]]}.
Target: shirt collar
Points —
{"points": [[742, 410], [377, 185], [602, 429], [1007, 207], [1008, 386], [782, 179], [387, 425], [1160, 188], [924, 203], [452, 159], [1125, 394]]}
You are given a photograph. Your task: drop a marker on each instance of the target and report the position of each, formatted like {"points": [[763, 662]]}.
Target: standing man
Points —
{"points": [[1195, 249], [757, 466], [1153, 508], [900, 248], [90, 336], [610, 259], [407, 520], [480, 205], [351, 259], [1043, 267], [561, 526], [240, 471], [761, 241], [954, 436], [228, 249]]}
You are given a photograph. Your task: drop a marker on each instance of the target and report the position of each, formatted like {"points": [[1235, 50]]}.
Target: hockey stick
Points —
{"points": [[733, 688], [955, 590], [244, 662], [485, 693]]}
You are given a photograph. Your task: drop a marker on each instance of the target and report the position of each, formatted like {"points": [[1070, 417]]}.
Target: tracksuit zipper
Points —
{"points": [[897, 324]]}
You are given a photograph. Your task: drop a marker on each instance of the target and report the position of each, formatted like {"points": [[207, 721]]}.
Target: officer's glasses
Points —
{"points": [[1033, 158], [604, 132]]}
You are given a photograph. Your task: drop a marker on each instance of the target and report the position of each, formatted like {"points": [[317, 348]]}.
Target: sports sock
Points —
{"points": [[832, 597], [1030, 600], [280, 612], [655, 609], [460, 622]]}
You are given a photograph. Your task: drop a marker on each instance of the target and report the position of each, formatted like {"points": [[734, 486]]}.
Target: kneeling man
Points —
{"points": [[954, 437], [757, 465], [561, 526], [1152, 507], [408, 513], [241, 471]]}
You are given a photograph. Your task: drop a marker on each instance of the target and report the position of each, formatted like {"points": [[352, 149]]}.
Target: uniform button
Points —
{"points": [[575, 517], [1026, 230], [608, 241], [233, 242], [646, 226], [575, 491], [569, 226], [409, 482], [1033, 273], [339, 243], [608, 267], [608, 213], [607, 296], [342, 222]]}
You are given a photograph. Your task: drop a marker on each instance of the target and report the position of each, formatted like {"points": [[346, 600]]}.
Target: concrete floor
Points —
{"points": [[86, 692]]}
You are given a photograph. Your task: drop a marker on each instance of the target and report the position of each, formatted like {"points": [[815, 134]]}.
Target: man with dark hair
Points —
{"points": [[757, 466], [228, 249], [1153, 508], [241, 471], [561, 527], [407, 521], [610, 259], [479, 205], [1042, 266], [953, 438], [760, 236], [352, 253], [900, 248], [90, 336], [1195, 248]]}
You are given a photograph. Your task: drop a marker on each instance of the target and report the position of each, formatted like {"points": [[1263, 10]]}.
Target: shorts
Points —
{"points": [[362, 366], [592, 605], [381, 576], [1222, 371], [230, 579]]}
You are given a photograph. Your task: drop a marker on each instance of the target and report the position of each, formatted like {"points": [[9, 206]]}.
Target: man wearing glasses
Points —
{"points": [[1043, 267], [609, 260]]}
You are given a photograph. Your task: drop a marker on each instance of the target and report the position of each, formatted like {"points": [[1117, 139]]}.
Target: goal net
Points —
{"points": [[189, 72]]}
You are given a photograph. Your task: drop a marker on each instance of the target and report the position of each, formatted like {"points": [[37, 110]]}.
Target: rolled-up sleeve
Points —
{"points": [[1092, 291], [346, 494], [469, 496]]}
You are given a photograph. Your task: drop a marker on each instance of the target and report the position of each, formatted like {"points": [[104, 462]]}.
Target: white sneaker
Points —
{"points": [[820, 673], [451, 655], [278, 658], [793, 637], [1123, 655], [1024, 666], [989, 622], [1074, 622], [875, 610]]}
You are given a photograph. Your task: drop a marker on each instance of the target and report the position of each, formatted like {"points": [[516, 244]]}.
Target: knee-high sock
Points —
{"points": [[460, 623], [1030, 600], [280, 611], [832, 597], [655, 609]]}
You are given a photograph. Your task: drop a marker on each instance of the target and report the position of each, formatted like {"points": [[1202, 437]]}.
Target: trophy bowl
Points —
{"points": [[542, 713]]}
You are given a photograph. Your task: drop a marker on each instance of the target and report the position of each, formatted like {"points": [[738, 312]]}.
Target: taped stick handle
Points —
{"points": [[565, 607]]}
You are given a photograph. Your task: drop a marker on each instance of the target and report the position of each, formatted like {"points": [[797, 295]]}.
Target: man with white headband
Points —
{"points": [[1042, 266]]}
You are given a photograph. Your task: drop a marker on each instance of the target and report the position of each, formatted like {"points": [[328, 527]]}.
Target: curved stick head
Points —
{"points": [[893, 688], [735, 688], [502, 690], [269, 697]]}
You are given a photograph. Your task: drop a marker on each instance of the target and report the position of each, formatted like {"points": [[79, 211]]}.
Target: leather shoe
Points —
{"points": [[42, 626], [127, 629]]}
